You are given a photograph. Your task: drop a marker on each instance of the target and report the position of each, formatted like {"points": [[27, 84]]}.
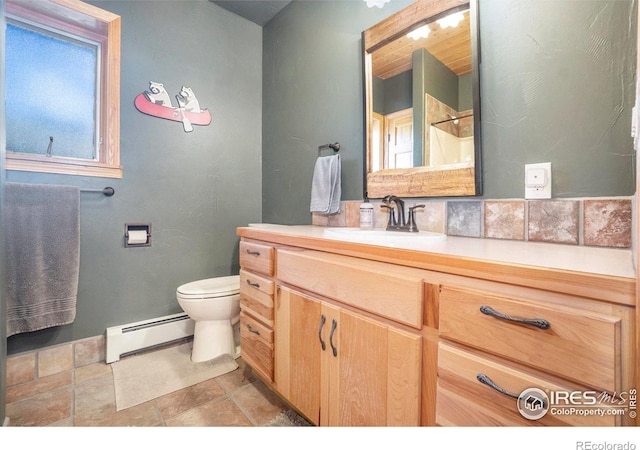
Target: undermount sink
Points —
{"points": [[383, 237]]}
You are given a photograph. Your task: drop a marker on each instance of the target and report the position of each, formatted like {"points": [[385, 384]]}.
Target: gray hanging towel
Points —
{"points": [[42, 244], [326, 189]]}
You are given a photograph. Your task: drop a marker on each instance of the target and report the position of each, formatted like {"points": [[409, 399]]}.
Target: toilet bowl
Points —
{"points": [[214, 306]]}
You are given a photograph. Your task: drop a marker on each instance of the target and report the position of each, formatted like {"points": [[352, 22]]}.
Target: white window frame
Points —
{"points": [[85, 21]]}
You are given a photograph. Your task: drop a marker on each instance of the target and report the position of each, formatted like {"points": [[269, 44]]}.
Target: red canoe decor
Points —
{"points": [[157, 103]]}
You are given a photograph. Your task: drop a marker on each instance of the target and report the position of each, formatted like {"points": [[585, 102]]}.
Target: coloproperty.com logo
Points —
{"points": [[534, 403]]}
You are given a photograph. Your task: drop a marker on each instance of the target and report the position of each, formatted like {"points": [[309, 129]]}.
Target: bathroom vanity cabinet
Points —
{"points": [[573, 344], [257, 288], [338, 363], [356, 334]]}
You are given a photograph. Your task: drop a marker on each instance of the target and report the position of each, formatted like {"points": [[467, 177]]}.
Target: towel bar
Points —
{"points": [[335, 147], [108, 191]]}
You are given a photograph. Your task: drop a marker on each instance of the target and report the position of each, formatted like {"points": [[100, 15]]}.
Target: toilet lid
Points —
{"points": [[211, 287]]}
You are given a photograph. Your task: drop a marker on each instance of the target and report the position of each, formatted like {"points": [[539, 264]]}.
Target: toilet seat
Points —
{"points": [[210, 288], [214, 305]]}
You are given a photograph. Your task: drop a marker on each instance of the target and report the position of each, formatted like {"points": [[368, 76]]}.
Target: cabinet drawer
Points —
{"points": [[462, 400], [583, 346], [257, 257], [256, 345], [256, 296], [384, 289]]}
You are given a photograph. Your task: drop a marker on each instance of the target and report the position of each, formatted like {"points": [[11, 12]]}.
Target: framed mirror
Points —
{"points": [[422, 102]]}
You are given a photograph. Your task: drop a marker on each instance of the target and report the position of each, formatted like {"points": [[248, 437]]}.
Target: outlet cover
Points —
{"points": [[537, 181]]}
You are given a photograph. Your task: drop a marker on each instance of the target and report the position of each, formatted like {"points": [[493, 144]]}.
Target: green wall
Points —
{"points": [[3, 323], [397, 93], [195, 188], [557, 85], [465, 92], [312, 95], [432, 77]]}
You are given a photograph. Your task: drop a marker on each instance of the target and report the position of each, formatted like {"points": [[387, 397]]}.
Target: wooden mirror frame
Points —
{"points": [[421, 181]]}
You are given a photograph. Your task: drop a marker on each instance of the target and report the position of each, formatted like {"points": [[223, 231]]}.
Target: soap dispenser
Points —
{"points": [[366, 215]]}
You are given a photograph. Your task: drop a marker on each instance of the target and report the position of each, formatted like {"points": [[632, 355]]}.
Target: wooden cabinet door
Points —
{"points": [[373, 378], [340, 368], [298, 351]]}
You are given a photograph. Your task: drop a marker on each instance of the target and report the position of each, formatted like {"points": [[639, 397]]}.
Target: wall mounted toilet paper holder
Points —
{"points": [[137, 235]]}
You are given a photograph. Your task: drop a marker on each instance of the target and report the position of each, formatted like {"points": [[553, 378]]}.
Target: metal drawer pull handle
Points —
{"points": [[250, 283], [252, 330], [539, 323], [253, 252], [334, 324], [322, 320], [482, 378]]}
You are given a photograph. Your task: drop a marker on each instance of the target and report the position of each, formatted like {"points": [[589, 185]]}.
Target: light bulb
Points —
{"points": [[376, 3], [452, 20], [420, 33]]}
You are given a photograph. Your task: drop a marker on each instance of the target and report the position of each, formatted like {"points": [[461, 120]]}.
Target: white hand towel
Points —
{"points": [[326, 189]]}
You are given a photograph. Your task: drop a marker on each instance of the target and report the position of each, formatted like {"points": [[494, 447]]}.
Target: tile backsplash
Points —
{"points": [[598, 222]]}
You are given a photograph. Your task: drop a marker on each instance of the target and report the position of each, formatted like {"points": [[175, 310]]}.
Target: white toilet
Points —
{"points": [[214, 305]]}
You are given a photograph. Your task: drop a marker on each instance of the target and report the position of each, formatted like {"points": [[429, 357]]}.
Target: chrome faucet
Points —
{"points": [[399, 222]]}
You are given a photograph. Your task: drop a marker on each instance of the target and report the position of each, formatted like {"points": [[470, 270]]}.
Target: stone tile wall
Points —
{"points": [[598, 222]]}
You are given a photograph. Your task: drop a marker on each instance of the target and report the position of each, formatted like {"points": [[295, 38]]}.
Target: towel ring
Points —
{"points": [[335, 147]]}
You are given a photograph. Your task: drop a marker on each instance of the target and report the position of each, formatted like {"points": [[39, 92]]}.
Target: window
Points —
{"points": [[62, 93], [52, 80]]}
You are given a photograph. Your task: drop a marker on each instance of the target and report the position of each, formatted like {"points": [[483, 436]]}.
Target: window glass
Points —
{"points": [[51, 86]]}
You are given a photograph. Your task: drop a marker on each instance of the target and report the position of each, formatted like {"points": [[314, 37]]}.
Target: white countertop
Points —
{"points": [[596, 260]]}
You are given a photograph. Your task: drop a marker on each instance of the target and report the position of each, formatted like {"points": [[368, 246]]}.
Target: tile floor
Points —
{"points": [[84, 397]]}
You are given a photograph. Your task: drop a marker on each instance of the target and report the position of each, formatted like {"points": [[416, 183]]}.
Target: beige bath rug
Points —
{"points": [[140, 378], [288, 418]]}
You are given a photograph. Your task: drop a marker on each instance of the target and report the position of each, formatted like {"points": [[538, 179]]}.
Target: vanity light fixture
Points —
{"points": [[376, 3], [420, 33], [452, 20]]}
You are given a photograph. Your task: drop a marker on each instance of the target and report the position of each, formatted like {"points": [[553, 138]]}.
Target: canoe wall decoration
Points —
{"points": [[156, 102]]}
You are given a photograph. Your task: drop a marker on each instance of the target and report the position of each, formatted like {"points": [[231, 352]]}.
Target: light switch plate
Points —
{"points": [[537, 180]]}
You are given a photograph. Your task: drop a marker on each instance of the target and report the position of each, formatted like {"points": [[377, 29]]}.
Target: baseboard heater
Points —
{"points": [[146, 334]]}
